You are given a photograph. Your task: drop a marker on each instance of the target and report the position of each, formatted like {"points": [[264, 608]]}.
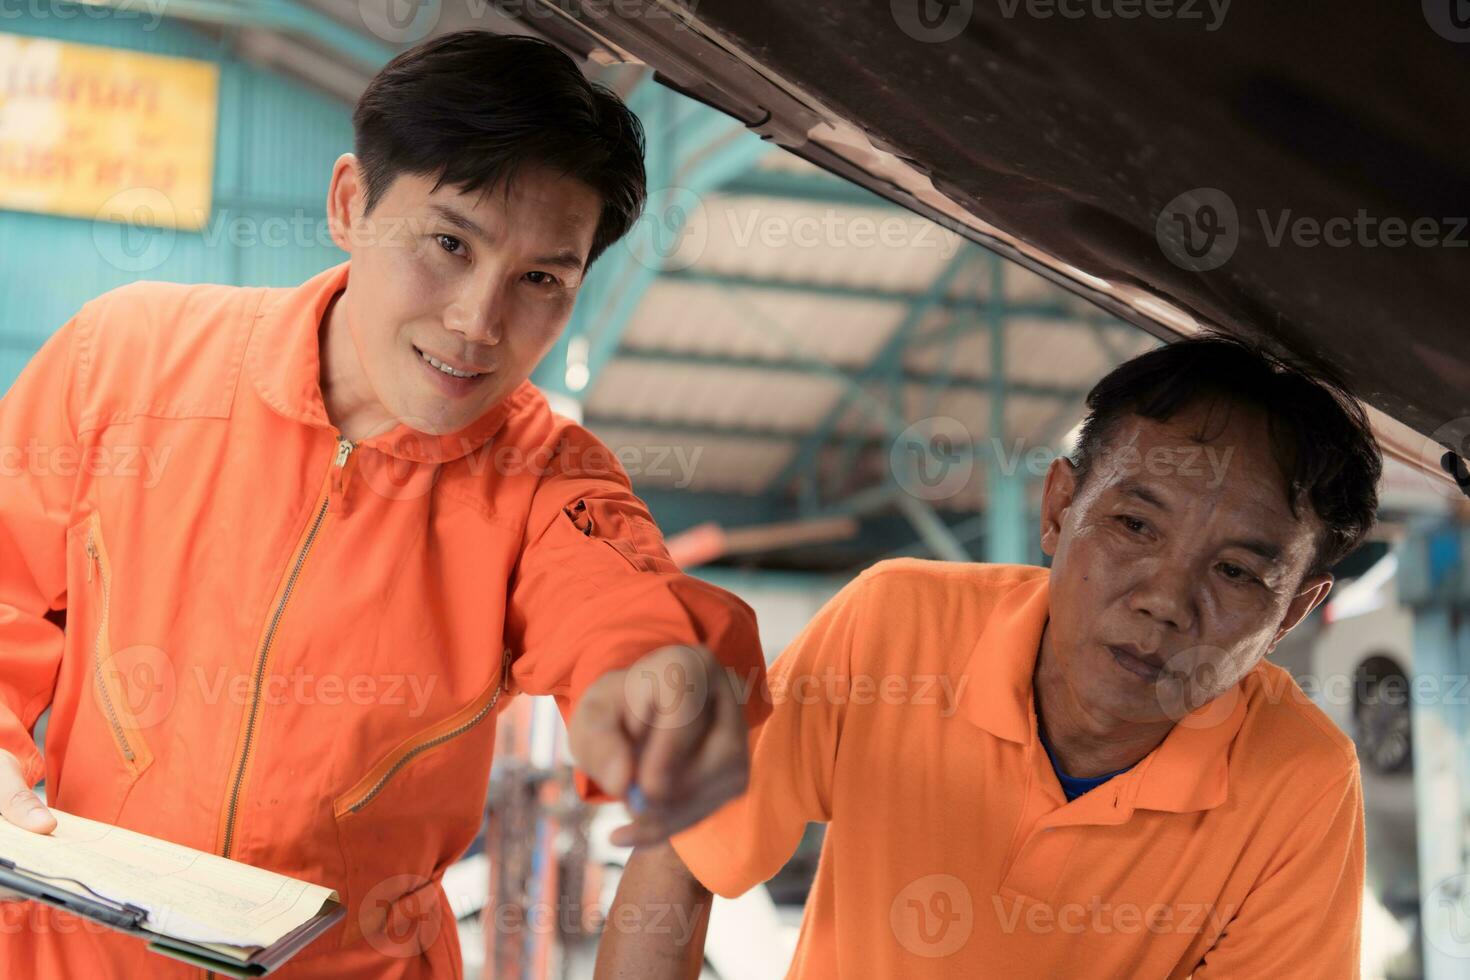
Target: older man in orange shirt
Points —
{"points": [[1121, 786]]}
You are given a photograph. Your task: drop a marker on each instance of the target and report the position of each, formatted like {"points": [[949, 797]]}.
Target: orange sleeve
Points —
{"points": [[1304, 920], [595, 590], [37, 431], [792, 756]]}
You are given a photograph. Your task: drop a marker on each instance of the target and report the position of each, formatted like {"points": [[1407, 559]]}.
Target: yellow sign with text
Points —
{"points": [[106, 134]]}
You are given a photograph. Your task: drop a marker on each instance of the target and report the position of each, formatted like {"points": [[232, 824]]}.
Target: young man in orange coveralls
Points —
{"points": [[287, 641]]}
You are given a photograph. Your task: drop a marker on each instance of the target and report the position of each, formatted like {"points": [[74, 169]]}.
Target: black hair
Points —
{"points": [[1319, 433], [472, 107]]}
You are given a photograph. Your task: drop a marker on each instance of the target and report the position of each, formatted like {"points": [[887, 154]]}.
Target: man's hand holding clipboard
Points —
{"points": [[20, 805]]}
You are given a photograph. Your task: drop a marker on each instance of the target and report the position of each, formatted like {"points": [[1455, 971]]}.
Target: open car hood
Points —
{"points": [[1087, 147]]}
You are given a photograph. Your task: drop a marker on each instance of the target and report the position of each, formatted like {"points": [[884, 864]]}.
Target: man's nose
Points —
{"points": [[1163, 593], [476, 313]]}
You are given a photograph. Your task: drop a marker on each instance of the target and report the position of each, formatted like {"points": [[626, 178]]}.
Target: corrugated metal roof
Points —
{"points": [[778, 311], [707, 395], [691, 318], [827, 244]]}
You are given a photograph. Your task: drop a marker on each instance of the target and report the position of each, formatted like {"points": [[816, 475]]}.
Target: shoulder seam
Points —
{"points": [[1333, 735]]}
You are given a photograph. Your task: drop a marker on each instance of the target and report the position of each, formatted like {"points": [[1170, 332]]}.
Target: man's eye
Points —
{"points": [[541, 278], [450, 244], [1235, 573], [1133, 524]]}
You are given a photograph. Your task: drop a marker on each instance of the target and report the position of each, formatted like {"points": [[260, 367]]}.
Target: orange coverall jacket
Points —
{"points": [[261, 640]]}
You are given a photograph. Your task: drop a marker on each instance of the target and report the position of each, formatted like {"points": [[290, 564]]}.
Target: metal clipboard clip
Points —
{"points": [[122, 915]]}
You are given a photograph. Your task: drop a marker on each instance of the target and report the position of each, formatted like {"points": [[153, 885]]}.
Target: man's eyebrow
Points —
{"points": [[461, 221], [563, 258], [1268, 550], [1143, 493]]}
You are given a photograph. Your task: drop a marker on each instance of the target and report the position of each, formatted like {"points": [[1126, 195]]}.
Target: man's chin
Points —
{"points": [[430, 420]]}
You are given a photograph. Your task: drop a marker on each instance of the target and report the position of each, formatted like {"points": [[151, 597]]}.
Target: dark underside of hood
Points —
{"points": [[1076, 133]]}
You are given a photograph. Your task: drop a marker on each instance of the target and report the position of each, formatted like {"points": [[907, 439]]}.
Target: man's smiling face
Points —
{"points": [[1174, 570], [453, 298]]}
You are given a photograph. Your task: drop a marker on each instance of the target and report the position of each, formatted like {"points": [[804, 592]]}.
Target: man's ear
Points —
{"points": [[343, 201], [1308, 597], [1056, 498]]}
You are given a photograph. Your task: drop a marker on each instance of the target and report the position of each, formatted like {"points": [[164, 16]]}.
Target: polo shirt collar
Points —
{"points": [[1188, 771], [284, 362]]}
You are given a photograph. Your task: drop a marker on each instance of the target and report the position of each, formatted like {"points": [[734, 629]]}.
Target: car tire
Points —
{"points": [[1382, 719]]}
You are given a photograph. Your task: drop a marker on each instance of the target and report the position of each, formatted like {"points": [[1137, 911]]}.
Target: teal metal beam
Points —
{"points": [[932, 531], [966, 532], [1033, 311], [741, 580], [1006, 529], [691, 151], [1434, 581], [1012, 456], [806, 454], [679, 510], [818, 368], [689, 430], [1070, 412]]}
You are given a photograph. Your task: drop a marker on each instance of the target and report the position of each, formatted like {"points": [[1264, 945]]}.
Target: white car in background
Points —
{"points": [[1355, 658], [1362, 662]]}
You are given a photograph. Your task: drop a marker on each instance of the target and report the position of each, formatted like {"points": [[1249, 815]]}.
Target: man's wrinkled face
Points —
{"points": [[455, 297], [1177, 563]]}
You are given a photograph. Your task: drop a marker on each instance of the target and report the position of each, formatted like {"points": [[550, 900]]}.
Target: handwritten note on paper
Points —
{"points": [[189, 894]]}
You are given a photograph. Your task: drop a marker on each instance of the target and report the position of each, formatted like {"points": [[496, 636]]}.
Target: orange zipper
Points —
{"points": [[137, 756], [343, 450], [462, 721]]}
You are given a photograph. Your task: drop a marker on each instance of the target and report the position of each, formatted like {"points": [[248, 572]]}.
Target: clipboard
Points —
{"points": [[133, 920]]}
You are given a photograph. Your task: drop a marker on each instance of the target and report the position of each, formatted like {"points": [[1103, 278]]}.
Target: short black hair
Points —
{"points": [[470, 108], [1319, 432]]}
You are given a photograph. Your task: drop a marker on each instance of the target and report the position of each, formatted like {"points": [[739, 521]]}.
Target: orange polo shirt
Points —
{"points": [[904, 719]]}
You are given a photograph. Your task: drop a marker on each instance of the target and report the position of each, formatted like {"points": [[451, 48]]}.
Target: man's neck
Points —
{"points": [[350, 402], [1083, 743]]}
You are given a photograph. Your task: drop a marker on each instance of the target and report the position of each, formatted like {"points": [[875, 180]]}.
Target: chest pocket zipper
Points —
{"points": [[466, 719], [111, 694]]}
